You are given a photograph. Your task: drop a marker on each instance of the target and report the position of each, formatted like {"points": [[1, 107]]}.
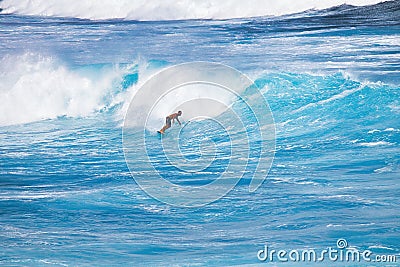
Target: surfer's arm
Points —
{"points": [[178, 121]]}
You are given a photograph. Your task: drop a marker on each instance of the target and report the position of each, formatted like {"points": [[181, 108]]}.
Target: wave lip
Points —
{"points": [[143, 10]]}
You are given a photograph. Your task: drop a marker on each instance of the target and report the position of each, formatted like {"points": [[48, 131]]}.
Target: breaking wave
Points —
{"points": [[167, 9]]}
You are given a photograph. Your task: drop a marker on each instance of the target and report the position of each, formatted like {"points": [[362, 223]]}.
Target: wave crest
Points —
{"points": [[36, 87], [167, 9]]}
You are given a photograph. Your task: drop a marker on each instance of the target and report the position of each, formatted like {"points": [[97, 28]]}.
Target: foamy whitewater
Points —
{"points": [[330, 71], [167, 9]]}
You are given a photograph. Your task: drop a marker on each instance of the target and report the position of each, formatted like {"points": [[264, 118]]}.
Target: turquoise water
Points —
{"points": [[67, 197]]}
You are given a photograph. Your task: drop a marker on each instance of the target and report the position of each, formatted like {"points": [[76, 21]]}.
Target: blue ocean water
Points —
{"points": [[331, 78]]}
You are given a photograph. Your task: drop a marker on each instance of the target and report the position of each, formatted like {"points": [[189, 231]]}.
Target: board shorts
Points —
{"points": [[168, 121]]}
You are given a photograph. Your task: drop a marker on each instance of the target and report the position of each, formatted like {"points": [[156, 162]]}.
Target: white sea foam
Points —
{"points": [[167, 9], [35, 87], [385, 169], [372, 144], [391, 130]]}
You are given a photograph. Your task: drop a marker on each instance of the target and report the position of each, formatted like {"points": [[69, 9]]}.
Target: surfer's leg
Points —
{"points": [[167, 125], [164, 128]]}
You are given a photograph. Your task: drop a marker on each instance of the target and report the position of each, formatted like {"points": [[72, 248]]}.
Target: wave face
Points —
{"points": [[332, 81], [167, 10]]}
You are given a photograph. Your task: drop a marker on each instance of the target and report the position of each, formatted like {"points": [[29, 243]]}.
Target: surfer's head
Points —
{"points": [[179, 113]]}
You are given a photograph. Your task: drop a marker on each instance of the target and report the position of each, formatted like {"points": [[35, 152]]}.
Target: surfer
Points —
{"points": [[170, 118]]}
